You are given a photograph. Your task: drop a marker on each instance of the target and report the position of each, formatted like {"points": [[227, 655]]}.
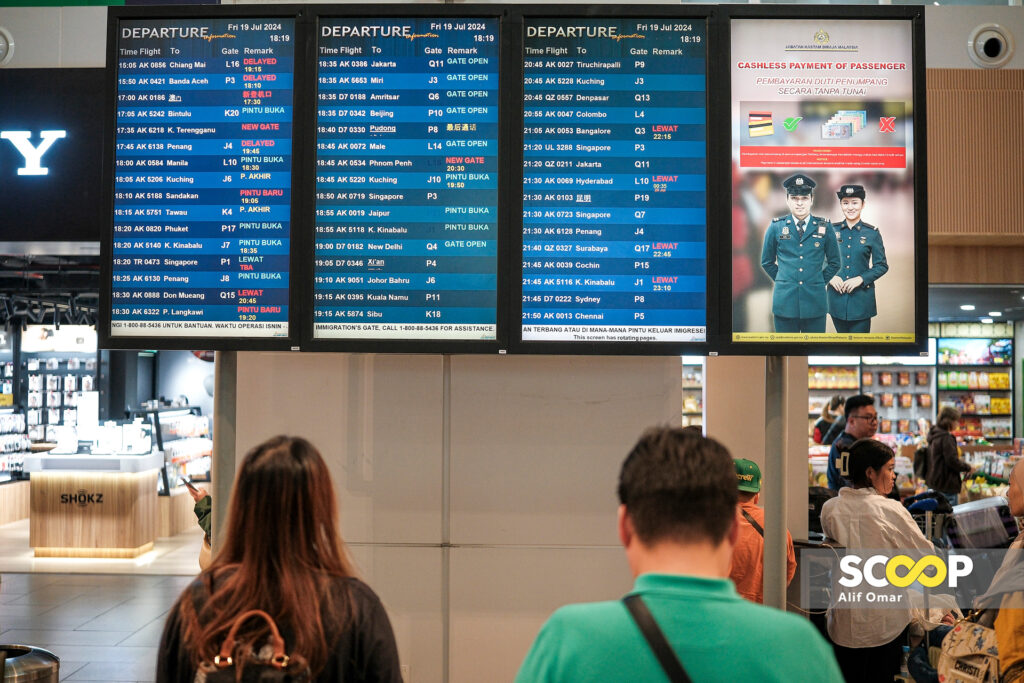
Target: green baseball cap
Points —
{"points": [[748, 474]]}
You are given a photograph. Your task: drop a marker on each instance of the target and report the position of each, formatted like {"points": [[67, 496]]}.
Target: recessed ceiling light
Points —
{"points": [[967, 307], [996, 314], [986, 320]]}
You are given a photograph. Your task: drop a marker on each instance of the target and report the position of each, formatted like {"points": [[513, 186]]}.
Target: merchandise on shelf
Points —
{"points": [[693, 378], [832, 377], [184, 438], [187, 449], [1001, 406]]}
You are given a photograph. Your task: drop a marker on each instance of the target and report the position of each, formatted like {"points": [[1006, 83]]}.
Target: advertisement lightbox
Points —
{"points": [[827, 177]]}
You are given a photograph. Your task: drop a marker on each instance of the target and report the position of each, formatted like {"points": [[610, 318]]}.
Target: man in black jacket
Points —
{"points": [[944, 464], [861, 423]]}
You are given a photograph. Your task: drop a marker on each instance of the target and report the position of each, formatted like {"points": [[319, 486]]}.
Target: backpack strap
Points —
{"points": [[656, 639], [753, 522]]}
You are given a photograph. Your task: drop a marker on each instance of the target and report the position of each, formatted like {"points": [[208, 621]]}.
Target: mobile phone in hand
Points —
{"points": [[188, 482]]}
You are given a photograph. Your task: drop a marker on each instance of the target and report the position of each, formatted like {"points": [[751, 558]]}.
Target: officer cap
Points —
{"points": [[798, 184], [850, 192]]}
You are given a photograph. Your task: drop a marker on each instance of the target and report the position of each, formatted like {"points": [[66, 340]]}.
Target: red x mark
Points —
{"points": [[886, 124]]}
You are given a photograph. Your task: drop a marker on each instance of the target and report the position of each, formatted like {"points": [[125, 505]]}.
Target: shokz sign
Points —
{"points": [[51, 154]]}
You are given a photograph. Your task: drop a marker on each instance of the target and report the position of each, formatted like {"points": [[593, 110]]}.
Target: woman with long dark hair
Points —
{"points": [[282, 554], [868, 637]]}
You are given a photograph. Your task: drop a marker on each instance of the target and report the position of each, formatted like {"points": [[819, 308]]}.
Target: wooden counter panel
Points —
{"points": [[97, 510], [176, 513], [13, 501]]}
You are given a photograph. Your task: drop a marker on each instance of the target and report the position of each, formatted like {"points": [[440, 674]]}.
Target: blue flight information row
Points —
{"points": [[202, 181], [614, 180], [406, 230]]}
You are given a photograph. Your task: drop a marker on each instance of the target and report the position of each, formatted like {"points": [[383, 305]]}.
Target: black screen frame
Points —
{"points": [[510, 155], [708, 14], [297, 232], [500, 13], [915, 14]]}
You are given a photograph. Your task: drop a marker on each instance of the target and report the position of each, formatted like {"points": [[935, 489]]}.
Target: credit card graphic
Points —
{"points": [[759, 124]]}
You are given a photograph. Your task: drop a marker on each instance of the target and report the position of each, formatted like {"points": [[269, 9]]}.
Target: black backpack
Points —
{"points": [[921, 462], [270, 665]]}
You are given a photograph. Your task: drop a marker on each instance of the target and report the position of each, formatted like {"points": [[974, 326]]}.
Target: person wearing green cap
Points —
{"points": [[747, 568]]}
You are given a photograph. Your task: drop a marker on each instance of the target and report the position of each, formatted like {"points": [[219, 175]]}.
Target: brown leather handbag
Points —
{"points": [[239, 662]]}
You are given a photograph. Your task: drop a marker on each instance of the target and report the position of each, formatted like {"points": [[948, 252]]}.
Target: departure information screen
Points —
{"points": [[202, 179], [406, 179], [614, 180]]}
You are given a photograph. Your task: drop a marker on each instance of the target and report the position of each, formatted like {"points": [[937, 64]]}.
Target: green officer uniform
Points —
{"points": [[799, 266], [862, 253]]}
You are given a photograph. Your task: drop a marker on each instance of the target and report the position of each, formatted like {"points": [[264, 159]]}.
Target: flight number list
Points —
{"points": [[406, 179], [202, 186], [614, 181]]}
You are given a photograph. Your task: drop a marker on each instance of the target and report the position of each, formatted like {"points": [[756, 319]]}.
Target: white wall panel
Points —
{"points": [[948, 27], [36, 32], [537, 442], [500, 597], [83, 39], [375, 418], [408, 581]]}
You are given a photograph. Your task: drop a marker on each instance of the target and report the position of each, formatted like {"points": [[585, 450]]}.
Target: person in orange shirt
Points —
{"points": [[747, 569]]}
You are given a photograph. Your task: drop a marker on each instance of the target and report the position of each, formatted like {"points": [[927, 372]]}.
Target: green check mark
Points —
{"points": [[792, 122]]}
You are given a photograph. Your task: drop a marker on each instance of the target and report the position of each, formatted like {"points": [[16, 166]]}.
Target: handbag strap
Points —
{"points": [[753, 522], [279, 660], [656, 639]]}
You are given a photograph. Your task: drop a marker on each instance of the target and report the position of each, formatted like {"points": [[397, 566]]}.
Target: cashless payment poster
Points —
{"points": [[614, 180], [202, 183], [406, 179], [831, 101]]}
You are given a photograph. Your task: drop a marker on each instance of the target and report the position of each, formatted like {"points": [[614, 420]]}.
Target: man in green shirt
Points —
{"points": [[677, 523]]}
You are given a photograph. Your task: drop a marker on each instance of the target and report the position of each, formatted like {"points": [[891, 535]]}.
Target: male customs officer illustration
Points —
{"points": [[800, 255], [851, 293]]}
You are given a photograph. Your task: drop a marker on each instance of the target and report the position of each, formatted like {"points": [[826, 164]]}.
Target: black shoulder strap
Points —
{"points": [[753, 522], [656, 639]]}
